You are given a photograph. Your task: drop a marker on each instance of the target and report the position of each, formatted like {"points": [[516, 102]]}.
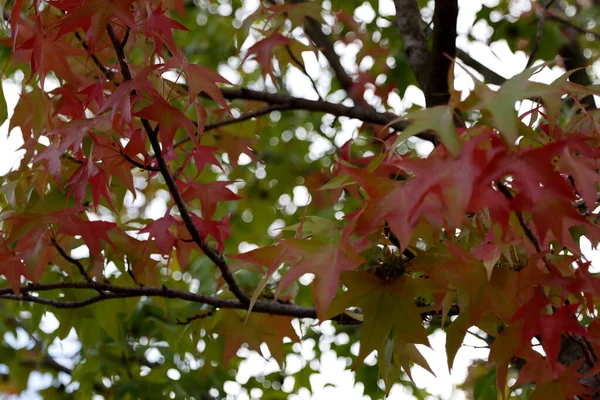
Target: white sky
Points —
{"points": [[335, 379]]}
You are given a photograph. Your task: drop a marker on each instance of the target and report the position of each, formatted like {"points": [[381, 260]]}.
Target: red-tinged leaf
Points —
{"points": [[210, 194], [507, 344], [327, 261], [109, 152], [35, 252], [536, 370], [200, 79], [169, 118], [236, 145], [219, 230], [12, 268], [259, 328], [583, 170], [137, 146], [100, 187], [92, 232], [93, 16], [159, 230], [566, 386], [489, 254], [159, 26], [47, 53], [51, 157], [204, 155], [270, 257], [93, 93], [554, 326], [90, 173], [263, 50], [120, 99], [389, 309]]}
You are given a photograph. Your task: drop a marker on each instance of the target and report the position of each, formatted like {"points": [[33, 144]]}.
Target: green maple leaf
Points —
{"points": [[389, 309]]}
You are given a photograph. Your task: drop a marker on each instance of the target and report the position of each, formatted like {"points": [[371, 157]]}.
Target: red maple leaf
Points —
{"points": [[262, 51], [160, 232], [93, 16], [210, 194]]}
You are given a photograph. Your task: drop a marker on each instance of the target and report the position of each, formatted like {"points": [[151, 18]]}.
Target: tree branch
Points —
{"points": [[538, 34], [408, 20], [314, 31], [442, 52], [71, 260], [116, 292], [152, 134], [364, 114], [489, 75]]}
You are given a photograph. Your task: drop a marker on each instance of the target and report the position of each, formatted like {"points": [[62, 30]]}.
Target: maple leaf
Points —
{"points": [[325, 260], [92, 232], [169, 118], [12, 268], [259, 328], [120, 99], [219, 230], [90, 173], [263, 52], [566, 386], [46, 53], [199, 78], [550, 327], [210, 194], [159, 230], [389, 309], [93, 16], [159, 26], [204, 155], [51, 157]]}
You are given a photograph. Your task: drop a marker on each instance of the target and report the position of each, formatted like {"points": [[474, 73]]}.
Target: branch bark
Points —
{"points": [[152, 134], [114, 292]]}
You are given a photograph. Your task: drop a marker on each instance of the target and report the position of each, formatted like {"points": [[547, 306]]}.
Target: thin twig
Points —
{"points": [[302, 68], [565, 21], [201, 315], [528, 232], [538, 34], [241, 118]]}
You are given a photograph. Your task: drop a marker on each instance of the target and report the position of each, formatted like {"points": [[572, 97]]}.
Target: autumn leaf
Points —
{"points": [[389, 309]]}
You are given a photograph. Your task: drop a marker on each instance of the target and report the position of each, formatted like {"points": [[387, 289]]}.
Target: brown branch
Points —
{"points": [[489, 75], [528, 232], [241, 118], [443, 50], [558, 18], [302, 68], [364, 114], [408, 20], [538, 34], [314, 31], [152, 134], [73, 261], [115, 292]]}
